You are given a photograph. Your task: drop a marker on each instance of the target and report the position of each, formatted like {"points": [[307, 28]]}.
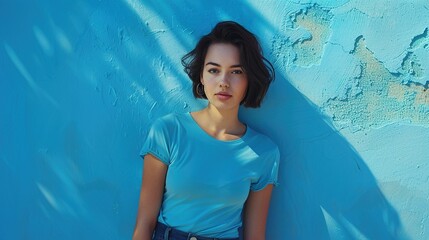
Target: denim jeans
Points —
{"points": [[163, 232]]}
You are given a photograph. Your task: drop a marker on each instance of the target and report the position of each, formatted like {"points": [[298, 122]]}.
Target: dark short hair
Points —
{"points": [[260, 72]]}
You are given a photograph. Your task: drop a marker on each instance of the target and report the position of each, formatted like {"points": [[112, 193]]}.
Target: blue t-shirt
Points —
{"points": [[208, 180]]}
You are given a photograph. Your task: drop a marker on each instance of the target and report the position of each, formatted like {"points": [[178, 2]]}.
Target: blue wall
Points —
{"points": [[80, 82]]}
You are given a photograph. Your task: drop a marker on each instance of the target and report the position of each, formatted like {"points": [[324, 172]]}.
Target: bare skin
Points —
{"points": [[152, 189], [225, 86]]}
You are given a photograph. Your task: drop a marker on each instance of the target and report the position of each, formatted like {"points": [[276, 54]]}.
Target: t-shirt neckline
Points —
{"points": [[200, 129]]}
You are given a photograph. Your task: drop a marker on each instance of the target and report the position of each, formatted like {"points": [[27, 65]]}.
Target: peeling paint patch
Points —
{"points": [[305, 36], [413, 66], [383, 98], [420, 40], [316, 21]]}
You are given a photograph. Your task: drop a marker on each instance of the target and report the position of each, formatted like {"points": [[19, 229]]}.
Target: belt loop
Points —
{"points": [[167, 233], [240, 233]]}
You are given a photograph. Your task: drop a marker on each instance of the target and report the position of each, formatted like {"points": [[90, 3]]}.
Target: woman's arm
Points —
{"points": [[151, 193], [256, 213]]}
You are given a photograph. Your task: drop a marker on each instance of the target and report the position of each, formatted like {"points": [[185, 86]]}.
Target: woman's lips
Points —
{"points": [[223, 96]]}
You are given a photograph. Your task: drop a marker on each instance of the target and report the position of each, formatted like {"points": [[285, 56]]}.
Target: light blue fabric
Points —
{"points": [[208, 180]]}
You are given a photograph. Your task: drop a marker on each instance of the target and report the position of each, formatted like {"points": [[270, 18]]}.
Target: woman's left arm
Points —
{"points": [[256, 213]]}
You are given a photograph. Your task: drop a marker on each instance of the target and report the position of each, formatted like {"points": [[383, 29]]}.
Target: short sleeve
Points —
{"points": [[157, 142], [269, 170]]}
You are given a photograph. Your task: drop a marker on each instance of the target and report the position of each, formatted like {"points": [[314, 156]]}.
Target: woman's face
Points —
{"points": [[224, 80]]}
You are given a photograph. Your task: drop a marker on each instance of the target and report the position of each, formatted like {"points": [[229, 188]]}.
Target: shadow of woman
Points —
{"points": [[326, 190]]}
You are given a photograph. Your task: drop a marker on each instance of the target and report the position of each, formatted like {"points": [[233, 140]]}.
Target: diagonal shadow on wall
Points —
{"points": [[326, 190]]}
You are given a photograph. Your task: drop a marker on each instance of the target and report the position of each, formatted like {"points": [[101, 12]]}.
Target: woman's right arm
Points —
{"points": [[151, 194]]}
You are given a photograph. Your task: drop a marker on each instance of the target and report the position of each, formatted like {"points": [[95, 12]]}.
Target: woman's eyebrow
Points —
{"points": [[218, 65], [212, 63], [236, 66]]}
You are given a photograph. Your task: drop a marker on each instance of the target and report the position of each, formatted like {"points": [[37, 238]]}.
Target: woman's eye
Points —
{"points": [[213, 70], [237, 72]]}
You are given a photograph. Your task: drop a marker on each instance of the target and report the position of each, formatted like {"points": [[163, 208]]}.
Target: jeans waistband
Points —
{"points": [[165, 232]]}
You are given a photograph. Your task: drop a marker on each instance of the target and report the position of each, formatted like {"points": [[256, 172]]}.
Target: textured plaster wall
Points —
{"points": [[80, 82]]}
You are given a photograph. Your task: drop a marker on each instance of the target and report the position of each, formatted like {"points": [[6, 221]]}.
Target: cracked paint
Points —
{"points": [[309, 50], [383, 99], [357, 86], [413, 66]]}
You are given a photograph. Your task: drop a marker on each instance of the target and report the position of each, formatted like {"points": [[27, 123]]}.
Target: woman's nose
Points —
{"points": [[224, 85], [224, 82]]}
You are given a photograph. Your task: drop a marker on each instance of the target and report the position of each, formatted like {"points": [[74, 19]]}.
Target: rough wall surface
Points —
{"points": [[81, 81]]}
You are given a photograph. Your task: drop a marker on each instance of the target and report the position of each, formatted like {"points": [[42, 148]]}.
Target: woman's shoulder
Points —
{"points": [[170, 117], [170, 120], [261, 140]]}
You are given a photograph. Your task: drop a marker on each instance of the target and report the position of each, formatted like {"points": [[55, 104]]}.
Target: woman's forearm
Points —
{"points": [[151, 194], [143, 231]]}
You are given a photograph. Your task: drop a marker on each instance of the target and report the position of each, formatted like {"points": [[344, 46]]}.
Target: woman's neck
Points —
{"points": [[220, 124]]}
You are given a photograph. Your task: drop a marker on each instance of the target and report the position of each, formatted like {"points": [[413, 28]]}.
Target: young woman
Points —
{"points": [[206, 174]]}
